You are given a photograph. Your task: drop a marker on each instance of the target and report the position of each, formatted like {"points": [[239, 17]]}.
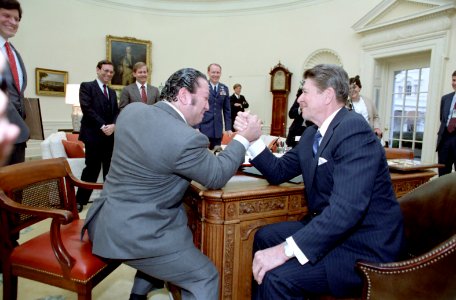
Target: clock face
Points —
{"points": [[278, 82]]}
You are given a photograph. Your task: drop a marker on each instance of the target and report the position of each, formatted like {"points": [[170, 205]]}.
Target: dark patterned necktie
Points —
{"points": [[452, 124], [316, 142], [143, 94], [105, 92]]}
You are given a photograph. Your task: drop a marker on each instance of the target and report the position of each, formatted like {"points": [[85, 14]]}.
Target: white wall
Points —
{"points": [[70, 35]]}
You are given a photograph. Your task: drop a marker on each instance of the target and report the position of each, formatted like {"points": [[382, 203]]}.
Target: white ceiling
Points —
{"points": [[206, 7]]}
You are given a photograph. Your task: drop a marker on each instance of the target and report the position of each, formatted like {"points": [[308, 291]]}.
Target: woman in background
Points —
{"points": [[364, 106]]}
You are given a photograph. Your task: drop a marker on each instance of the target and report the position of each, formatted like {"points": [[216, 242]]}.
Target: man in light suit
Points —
{"points": [[219, 102], [140, 217], [353, 213], [100, 110], [16, 81], [446, 137], [140, 91]]}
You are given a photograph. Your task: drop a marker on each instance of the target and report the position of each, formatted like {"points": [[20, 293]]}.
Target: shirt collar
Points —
{"points": [[176, 109], [324, 126], [138, 84]]}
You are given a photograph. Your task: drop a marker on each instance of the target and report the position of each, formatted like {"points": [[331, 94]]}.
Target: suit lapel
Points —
{"points": [[324, 142], [150, 94]]}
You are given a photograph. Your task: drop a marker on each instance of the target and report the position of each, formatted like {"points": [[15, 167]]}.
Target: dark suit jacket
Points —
{"points": [[96, 112], [131, 94], [445, 107], [156, 155], [297, 127], [348, 187], [16, 106], [212, 124], [236, 109]]}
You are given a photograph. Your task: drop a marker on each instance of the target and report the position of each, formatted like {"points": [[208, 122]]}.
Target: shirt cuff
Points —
{"points": [[296, 251], [242, 140], [256, 148]]}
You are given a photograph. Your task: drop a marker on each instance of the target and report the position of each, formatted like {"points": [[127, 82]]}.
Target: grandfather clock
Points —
{"points": [[280, 87]]}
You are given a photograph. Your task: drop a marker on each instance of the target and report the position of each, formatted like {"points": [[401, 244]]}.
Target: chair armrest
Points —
{"points": [[59, 217], [428, 276]]}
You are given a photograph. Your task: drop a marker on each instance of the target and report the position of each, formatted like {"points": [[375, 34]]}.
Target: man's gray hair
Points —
{"points": [[334, 76]]}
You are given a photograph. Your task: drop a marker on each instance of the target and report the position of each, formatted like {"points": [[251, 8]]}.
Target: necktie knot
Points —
{"points": [[143, 94], [316, 142]]}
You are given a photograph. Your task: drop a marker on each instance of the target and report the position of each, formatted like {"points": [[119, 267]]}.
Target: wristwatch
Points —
{"points": [[288, 250]]}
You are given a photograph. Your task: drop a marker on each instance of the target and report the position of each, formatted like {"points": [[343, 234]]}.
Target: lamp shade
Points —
{"points": [[72, 94]]}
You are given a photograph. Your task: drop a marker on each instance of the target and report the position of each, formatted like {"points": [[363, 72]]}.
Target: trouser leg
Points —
{"points": [[189, 269]]}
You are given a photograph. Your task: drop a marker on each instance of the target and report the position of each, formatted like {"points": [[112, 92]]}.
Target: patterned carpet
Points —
{"points": [[116, 286]]}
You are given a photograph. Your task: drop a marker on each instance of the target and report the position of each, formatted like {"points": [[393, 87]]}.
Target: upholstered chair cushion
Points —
{"points": [[73, 149]]}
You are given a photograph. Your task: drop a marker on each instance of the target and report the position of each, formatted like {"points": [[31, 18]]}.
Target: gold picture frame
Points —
{"points": [[51, 82], [124, 52]]}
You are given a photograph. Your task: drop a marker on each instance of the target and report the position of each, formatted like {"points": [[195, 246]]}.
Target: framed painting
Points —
{"points": [[124, 52], [51, 82]]}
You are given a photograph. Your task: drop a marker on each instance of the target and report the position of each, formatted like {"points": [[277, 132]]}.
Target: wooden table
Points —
{"points": [[224, 221]]}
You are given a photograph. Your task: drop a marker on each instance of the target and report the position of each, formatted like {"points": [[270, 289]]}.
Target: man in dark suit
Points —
{"points": [[140, 91], [446, 137], [238, 102], [219, 102], [100, 110], [16, 76], [140, 217], [353, 213], [298, 125]]}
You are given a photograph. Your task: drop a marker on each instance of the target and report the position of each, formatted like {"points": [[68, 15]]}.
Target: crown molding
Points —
{"points": [[372, 21], [204, 7]]}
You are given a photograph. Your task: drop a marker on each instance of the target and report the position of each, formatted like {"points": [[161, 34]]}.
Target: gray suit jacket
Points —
{"points": [[131, 94], [16, 105], [156, 155]]}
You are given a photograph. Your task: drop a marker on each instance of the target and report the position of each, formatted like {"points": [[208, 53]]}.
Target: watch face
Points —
{"points": [[278, 82]]}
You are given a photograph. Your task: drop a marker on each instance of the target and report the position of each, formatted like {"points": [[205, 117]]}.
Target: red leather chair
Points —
{"points": [[38, 190]]}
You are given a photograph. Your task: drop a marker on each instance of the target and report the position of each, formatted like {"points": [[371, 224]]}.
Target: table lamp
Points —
{"points": [[72, 97]]}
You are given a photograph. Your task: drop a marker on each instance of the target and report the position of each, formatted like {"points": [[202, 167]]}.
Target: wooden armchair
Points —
{"points": [[38, 190], [429, 269]]}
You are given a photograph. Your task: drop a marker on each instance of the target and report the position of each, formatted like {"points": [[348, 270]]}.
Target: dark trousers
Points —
{"points": [[447, 153], [214, 142], [97, 155], [290, 280], [18, 154]]}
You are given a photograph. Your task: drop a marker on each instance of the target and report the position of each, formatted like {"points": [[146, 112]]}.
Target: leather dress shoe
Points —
{"points": [[79, 206]]}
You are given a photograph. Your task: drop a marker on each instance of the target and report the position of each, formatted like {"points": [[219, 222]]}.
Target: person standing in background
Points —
{"points": [[364, 106], [100, 110], [219, 102], [10, 17], [299, 124], [446, 137], [238, 102], [140, 91]]}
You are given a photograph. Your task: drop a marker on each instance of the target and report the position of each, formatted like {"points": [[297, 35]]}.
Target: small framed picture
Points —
{"points": [[124, 52], [51, 82]]}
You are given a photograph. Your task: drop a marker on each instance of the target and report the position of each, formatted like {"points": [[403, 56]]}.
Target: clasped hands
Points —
{"points": [[108, 129], [248, 125]]}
